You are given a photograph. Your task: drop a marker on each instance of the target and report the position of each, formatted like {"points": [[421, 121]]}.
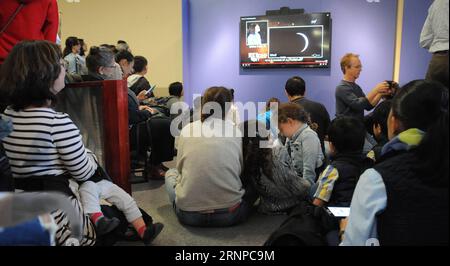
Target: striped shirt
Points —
{"points": [[46, 143]]}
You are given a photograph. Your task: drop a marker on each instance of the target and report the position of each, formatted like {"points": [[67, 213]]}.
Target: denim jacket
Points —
{"points": [[305, 152]]}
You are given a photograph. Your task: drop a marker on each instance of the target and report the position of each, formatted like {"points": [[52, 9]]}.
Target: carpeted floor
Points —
{"points": [[151, 196]]}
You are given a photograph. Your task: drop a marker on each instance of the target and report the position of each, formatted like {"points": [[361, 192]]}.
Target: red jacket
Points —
{"points": [[38, 20]]}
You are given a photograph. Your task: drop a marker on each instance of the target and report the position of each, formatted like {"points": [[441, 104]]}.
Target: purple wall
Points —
{"points": [[414, 59], [212, 47]]}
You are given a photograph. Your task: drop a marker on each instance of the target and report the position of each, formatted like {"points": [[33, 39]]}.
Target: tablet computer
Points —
{"points": [[339, 211]]}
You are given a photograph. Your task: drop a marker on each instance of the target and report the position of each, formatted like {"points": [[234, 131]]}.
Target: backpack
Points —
{"points": [[307, 225]]}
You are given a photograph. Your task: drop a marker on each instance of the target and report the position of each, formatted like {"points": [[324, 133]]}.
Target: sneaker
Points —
{"points": [[152, 232], [105, 225]]}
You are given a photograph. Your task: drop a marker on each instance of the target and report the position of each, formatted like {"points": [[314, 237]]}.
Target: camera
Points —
{"points": [[393, 88]]}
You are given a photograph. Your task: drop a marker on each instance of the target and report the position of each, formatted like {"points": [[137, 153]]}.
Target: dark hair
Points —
{"points": [[98, 57], [347, 134], [424, 105], [70, 43], [295, 86], [220, 95], [82, 51], [270, 101], [121, 42], [256, 160], [380, 116], [232, 94], [176, 89], [28, 74], [292, 111], [110, 47], [124, 54], [140, 63]]}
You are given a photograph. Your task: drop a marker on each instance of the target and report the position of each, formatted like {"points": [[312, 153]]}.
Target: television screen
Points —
{"points": [[300, 40]]}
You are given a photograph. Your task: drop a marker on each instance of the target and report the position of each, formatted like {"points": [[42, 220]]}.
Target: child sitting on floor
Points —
{"points": [[338, 181]]}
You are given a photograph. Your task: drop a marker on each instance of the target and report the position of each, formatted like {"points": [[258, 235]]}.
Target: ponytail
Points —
{"points": [[257, 161]]}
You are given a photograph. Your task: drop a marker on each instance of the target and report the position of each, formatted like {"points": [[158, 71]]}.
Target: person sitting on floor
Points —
{"points": [[378, 122], [205, 188], [303, 144], [269, 171], [267, 117], [403, 200], [338, 181], [295, 89]]}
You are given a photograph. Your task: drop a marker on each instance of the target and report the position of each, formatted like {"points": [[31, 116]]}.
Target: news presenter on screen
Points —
{"points": [[350, 98], [254, 38], [26, 20]]}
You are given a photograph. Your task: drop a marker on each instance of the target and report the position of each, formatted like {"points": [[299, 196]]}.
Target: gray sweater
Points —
{"points": [[351, 100], [209, 167]]}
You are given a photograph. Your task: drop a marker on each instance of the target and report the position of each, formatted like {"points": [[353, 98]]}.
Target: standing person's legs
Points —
{"points": [[438, 68]]}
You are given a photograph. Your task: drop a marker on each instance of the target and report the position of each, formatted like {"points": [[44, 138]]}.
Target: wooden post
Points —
{"points": [[117, 146]]}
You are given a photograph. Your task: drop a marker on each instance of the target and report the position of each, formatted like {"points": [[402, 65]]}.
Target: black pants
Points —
{"points": [[438, 68], [161, 140], [154, 134]]}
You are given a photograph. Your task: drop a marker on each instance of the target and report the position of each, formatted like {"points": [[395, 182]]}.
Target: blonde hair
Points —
{"points": [[346, 61]]}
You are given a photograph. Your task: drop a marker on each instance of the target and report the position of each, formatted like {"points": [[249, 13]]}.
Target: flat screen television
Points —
{"points": [[299, 40]]}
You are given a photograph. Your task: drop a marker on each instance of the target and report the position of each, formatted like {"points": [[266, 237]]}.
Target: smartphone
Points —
{"points": [[339, 211], [149, 92]]}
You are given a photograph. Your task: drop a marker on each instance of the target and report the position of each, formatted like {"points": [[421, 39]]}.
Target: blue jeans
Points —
{"points": [[220, 218]]}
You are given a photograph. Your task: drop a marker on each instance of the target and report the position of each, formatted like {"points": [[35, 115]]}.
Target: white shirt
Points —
{"points": [[369, 200], [434, 36], [254, 39]]}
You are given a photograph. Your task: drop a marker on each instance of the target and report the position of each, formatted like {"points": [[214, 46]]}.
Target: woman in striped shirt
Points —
{"points": [[45, 149]]}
